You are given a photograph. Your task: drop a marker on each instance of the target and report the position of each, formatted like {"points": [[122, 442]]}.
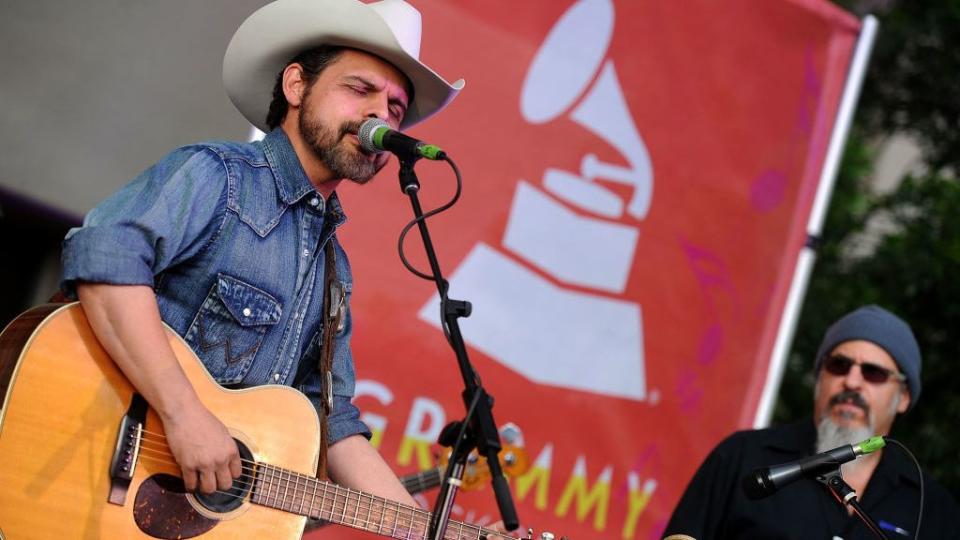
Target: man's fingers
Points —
{"points": [[224, 478], [501, 528], [236, 468], [208, 482], [189, 479]]}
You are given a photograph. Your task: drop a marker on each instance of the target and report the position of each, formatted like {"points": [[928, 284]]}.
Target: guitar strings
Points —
{"points": [[375, 510], [284, 476], [422, 480], [246, 481], [418, 480], [274, 480], [163, 452], [159, 453], [369, 513]]}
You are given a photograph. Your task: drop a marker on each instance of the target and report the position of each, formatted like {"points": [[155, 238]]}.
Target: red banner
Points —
{"points": [[637, 180]]}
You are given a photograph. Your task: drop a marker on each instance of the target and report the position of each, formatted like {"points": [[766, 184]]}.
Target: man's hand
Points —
{"points": [[126, 321], [204, 449], [501, 528]]}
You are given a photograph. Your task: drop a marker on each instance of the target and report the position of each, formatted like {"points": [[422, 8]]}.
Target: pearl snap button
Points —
{"points": [[247, 312]]}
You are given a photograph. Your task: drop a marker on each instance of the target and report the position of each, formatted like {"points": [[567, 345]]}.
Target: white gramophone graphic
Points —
{"points": [[552, 335]]}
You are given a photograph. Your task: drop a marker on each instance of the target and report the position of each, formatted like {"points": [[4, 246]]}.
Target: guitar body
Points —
{"points": [[63, 399]]}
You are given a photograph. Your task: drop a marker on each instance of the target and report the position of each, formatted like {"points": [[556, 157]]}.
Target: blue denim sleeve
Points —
{"points": [[166, 215], [345, 420]]}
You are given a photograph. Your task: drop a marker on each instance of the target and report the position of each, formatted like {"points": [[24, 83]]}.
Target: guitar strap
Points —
{"points": [[334, 297]]}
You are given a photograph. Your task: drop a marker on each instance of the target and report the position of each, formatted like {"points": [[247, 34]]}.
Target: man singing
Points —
{"points": [[234, 245]]}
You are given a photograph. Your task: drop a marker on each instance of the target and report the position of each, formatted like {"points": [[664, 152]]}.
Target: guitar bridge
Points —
{"points": [[127, 449]]}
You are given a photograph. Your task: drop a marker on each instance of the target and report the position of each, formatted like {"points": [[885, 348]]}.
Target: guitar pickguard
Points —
{"points": [[162, 510]]}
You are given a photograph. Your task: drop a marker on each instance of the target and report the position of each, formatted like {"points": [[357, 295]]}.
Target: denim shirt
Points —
{"points": [[231, 238]]}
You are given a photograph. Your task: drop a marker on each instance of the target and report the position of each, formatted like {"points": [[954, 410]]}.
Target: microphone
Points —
{"points": [[766, 481], [377, 136]]}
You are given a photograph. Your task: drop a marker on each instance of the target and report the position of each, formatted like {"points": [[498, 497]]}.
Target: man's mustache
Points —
{"points": [[349, 128], [353, 128], [852, 397]]}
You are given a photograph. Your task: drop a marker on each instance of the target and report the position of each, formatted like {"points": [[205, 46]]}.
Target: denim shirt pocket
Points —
{"points": [[230, 326]]}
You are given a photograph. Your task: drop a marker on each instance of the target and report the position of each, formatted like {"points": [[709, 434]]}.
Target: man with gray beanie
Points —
{"points": [[867, 372]]}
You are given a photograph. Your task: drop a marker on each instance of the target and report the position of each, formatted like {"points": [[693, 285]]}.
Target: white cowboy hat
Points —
{"points": [[277, 32]]}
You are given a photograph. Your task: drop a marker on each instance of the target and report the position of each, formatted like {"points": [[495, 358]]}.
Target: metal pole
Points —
{"points": [[807, 257]]}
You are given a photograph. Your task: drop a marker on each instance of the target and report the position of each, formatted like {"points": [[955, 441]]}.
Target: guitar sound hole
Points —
{"points": [[226, 501]]}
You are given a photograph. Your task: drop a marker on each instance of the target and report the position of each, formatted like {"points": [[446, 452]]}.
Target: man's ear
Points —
{"points": [[904, 399], [294, 85]]}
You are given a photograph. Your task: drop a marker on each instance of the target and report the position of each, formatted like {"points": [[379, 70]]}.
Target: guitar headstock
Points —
{"points": [[513, 463], [514, 460]]}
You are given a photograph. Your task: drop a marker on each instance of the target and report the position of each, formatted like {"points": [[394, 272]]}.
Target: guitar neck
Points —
{"points": [[296, 493], [423, 480]]}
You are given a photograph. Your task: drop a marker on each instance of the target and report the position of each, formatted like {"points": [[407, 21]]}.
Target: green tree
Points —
{"points": [[913, 266]]}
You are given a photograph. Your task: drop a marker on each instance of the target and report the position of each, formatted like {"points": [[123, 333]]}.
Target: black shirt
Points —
{"points": [[714, 506]]}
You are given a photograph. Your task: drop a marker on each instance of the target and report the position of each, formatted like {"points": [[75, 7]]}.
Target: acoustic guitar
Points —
{"points": [[82, 455]]}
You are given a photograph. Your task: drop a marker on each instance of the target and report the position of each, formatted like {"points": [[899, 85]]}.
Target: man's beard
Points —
{"points": [[830, 434], [327, 145]]}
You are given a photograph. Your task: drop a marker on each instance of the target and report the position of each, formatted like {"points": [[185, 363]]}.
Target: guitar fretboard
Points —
{"points": [[296, 493]]}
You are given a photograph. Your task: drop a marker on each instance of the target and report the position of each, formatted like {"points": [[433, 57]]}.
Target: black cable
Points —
{"points": [[431, 213], [916, 532], [414, 222]]}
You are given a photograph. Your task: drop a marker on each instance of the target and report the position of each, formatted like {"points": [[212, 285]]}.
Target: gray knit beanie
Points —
{"points": [[879, 326]]}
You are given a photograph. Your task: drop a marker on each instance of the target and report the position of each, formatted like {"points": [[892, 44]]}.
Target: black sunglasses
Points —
{"points": [[840, 365]]}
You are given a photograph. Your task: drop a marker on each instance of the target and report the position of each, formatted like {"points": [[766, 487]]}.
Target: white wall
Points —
{"points": [[93, 92]]}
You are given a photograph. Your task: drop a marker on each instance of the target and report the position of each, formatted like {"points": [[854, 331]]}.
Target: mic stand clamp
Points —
{"points": [[478, 429], [846, 496]]}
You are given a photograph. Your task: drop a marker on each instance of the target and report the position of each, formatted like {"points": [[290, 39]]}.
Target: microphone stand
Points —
{"points": [[847, 496], [477, 429]]}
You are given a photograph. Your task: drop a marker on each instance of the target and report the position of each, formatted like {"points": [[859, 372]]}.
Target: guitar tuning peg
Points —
{"points": [[511, 434], [529, 535]]}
